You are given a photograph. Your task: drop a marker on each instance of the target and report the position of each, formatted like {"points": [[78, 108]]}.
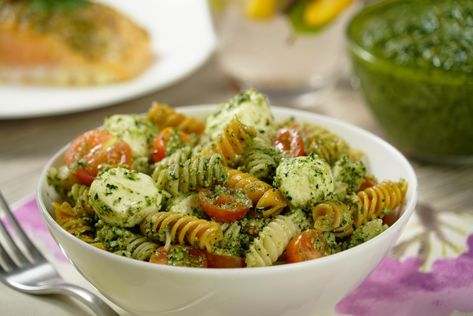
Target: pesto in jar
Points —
{"points": [[424, 34], [414, 60]]}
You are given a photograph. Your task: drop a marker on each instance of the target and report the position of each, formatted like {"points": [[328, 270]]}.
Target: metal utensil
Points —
{"points": [[29, 271]]}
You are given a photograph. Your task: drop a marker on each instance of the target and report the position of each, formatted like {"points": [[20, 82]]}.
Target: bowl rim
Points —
{"points": [[414, 72], [241, 272]]}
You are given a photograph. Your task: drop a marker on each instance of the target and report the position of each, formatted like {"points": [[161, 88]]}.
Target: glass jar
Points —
{"points": [[412, 61], [293, 51]]}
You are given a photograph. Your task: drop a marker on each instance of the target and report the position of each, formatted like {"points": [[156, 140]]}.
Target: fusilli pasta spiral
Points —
{"points": [[333, 216], [271, 203], [79, 196], [235, 138], [163, 116], [74, 223], [271, 242], [261, 160], [180, 156], [324, 143], [375, 201], [141, 164], [231, 242], [139, 248], [182, 229], [125, 243], [194, 173], [268, 200]]}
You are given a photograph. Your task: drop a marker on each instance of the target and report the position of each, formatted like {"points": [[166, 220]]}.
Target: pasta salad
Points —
{"points": [[236, 190]]}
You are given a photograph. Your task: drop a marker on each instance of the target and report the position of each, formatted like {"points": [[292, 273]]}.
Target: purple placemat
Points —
{"points": [[28, 215], [434, 283], [399, 288]]}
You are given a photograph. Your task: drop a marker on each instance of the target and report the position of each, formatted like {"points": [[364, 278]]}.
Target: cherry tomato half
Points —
{"points": [[309, 244], [367, 182], [289, 142], [391, 217], [92, 150], [224, 261], [160, 142], [184, 256], [224, 204]]}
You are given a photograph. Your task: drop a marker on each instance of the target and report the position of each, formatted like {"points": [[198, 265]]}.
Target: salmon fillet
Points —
{"points": [[88, 43]]}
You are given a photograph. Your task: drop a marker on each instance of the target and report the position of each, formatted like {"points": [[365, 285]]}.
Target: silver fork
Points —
{"points": [[31, 273]]}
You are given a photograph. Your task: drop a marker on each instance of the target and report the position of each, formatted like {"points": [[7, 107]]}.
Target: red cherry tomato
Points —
{"points": [[184, 256], [92, 150], [289, 142], [391, 217], [367, 182], [224, 261], [160, 142], [160, 256], [309, 244], [224, 204], [159, 149]]}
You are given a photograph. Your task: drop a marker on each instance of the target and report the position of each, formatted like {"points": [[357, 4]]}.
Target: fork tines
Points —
{"points": [[21, 258]]}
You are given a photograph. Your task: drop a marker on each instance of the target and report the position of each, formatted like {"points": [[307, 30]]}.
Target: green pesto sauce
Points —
{"points": [[113, 237], [332, 244], [366, 232], [174, 143], [299, 218], [228, 199], [348, 173], [425, 34], [236, 244], [413, 59], [184, 256]]}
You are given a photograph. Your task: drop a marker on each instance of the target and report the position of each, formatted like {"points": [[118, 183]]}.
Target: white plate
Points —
{"points": [[182, 40]]}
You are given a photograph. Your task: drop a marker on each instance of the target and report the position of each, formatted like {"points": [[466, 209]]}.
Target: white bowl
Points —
{"points": [[306, 288]]}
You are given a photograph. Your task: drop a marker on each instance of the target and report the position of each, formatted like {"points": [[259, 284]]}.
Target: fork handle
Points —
{"points": [[94, 302]]}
